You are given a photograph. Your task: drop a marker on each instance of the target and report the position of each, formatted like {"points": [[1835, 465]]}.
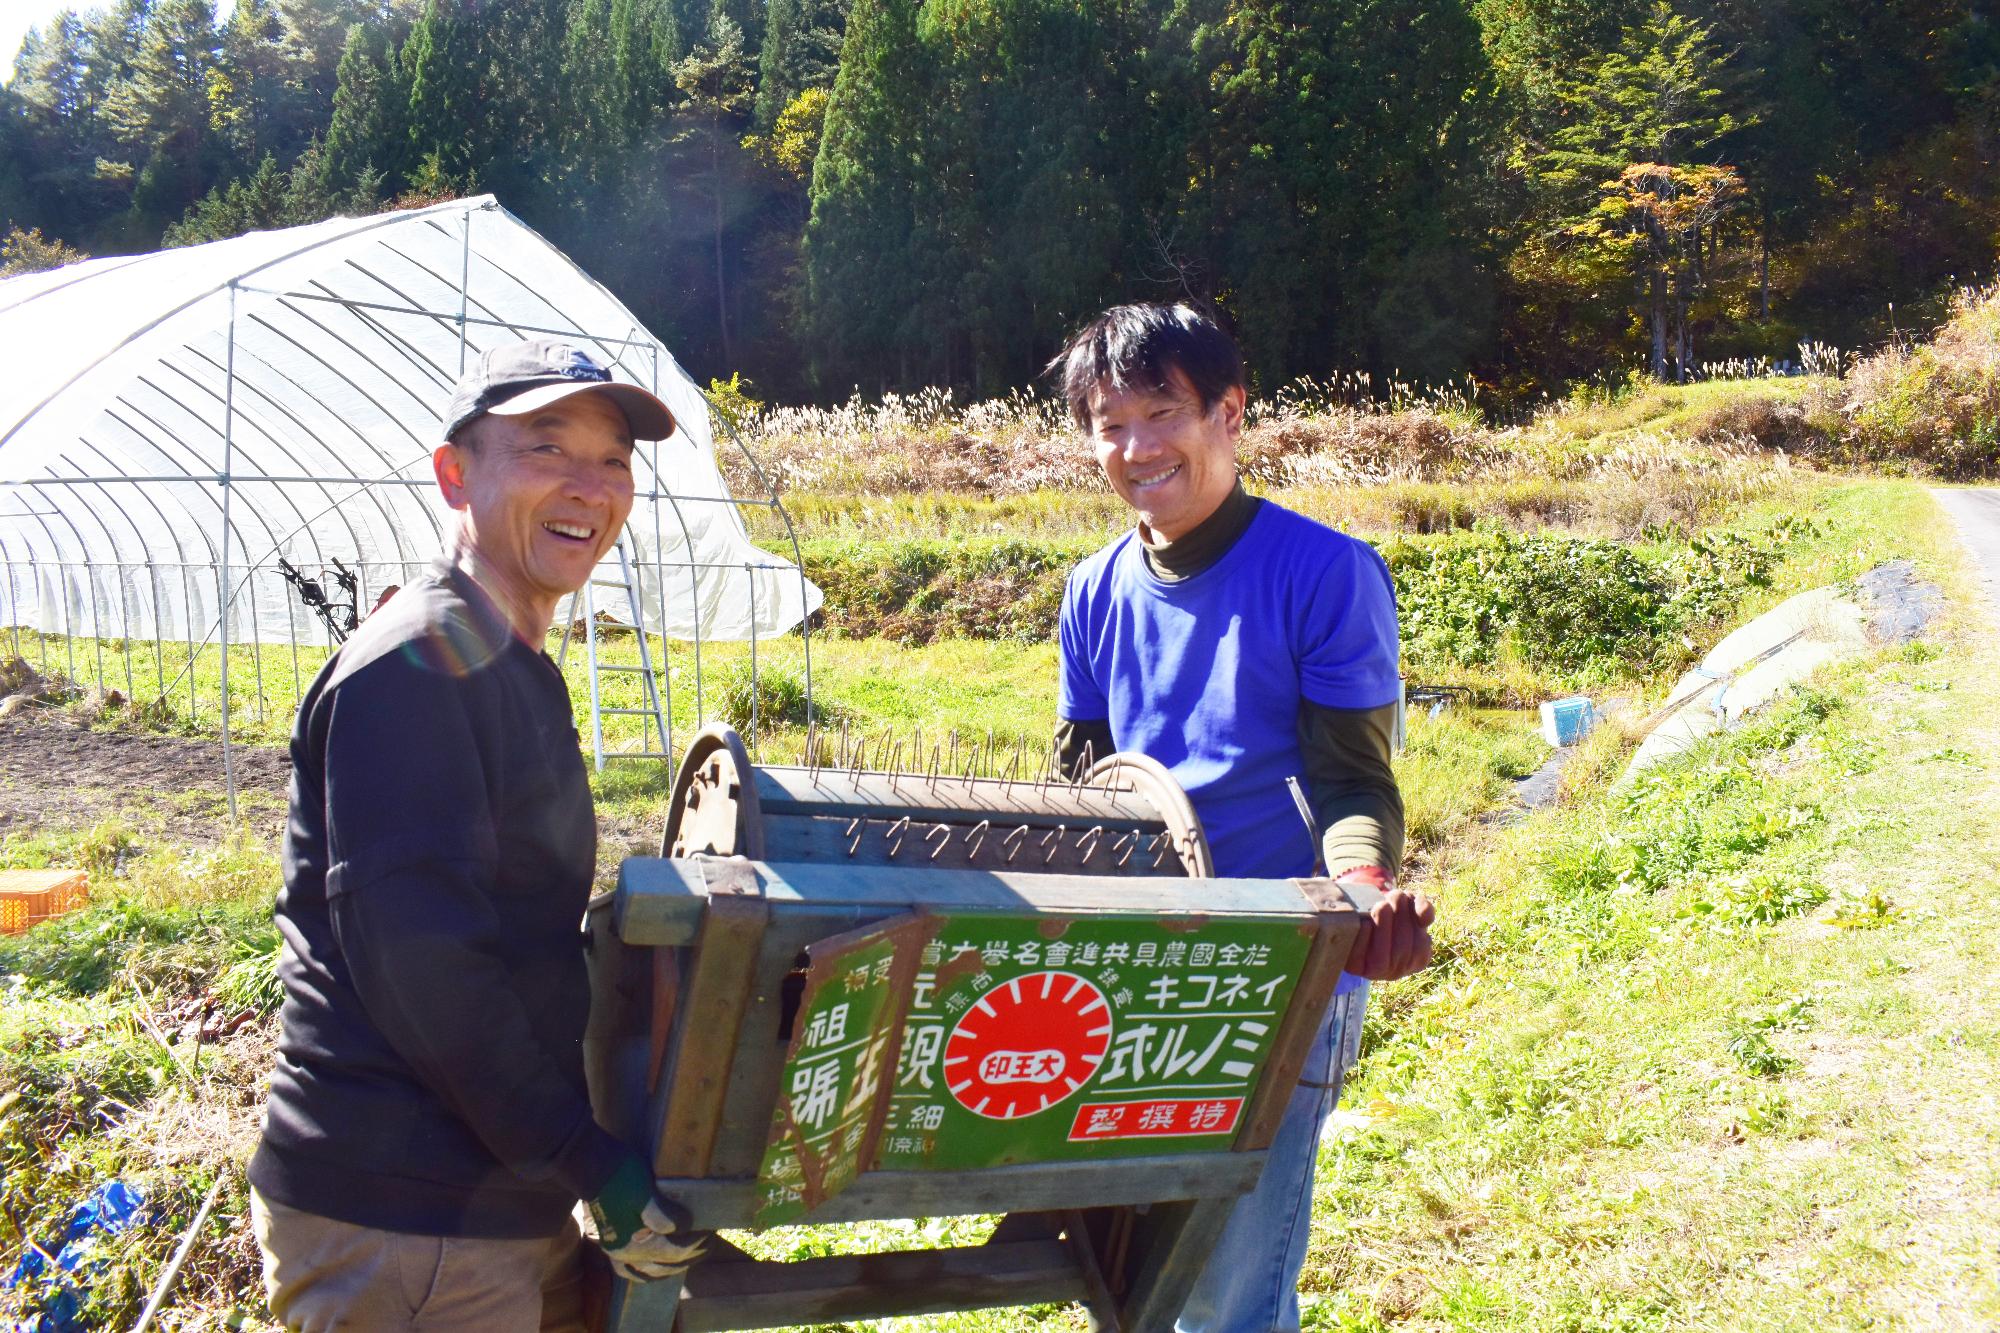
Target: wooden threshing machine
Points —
{"points": [[912, 991]]}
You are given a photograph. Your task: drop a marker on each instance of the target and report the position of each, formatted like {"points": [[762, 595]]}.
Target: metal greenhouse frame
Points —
{"points": [[196, 445]]}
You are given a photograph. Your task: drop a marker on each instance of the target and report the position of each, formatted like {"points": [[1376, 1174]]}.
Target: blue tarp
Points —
{"points": [[59, 1289]]}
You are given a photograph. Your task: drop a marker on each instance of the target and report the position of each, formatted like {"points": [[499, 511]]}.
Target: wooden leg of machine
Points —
{"points": [[1101, 1305], [644, 1307], [1174, 1243]]}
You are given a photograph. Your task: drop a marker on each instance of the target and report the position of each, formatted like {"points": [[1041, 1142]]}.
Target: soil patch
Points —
{"points": [[54, 771]]}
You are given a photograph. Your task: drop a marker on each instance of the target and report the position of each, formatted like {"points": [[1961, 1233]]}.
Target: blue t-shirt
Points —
{"points": [[1206, 674]]}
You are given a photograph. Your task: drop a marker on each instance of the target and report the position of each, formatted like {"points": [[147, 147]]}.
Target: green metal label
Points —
{"points": [[1042, 1041]]}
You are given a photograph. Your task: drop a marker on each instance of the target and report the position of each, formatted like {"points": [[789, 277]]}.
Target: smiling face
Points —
{"points": [[1167, 457], [541, 498]]}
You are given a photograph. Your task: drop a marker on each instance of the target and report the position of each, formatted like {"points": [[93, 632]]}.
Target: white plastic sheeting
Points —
{"points": [[1754, 664], [168, 417]]}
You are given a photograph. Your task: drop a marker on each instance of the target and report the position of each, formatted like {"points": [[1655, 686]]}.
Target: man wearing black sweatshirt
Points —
{"points": [[428, 1132]]}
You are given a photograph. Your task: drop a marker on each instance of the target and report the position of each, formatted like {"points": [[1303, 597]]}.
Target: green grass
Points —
{"points": [[1685, 1063], [168, 916], [101, 849], [1457, 767]]}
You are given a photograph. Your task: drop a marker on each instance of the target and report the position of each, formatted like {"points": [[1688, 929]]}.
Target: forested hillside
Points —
{"points": [[829, 194]]}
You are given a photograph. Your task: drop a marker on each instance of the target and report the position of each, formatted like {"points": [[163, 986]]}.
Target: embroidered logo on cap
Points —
{"points": [[577, 365]]}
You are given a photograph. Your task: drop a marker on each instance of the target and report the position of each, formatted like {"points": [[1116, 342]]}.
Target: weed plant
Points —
{"points": [[771, 696], [1932, 408], [176, 924], [1457, 767], [101, 851]]}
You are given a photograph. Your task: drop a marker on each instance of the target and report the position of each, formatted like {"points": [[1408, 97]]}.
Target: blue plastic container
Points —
{"points": [[1567, 721]]}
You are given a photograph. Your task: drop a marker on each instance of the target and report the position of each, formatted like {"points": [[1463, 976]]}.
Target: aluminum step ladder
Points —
{"points": [[658, 729]]}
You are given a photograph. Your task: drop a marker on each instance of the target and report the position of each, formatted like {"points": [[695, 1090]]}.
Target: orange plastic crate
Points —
{"points": [[30, 897]]}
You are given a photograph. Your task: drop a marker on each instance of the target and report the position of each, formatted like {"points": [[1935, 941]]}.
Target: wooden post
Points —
{"points": [[719, 992]]}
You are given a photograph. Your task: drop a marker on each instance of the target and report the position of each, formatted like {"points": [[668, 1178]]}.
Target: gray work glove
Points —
{"points": [[640, 1232]]}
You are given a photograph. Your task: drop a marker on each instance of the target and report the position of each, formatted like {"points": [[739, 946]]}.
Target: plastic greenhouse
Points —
{"points": [[228, 447]]}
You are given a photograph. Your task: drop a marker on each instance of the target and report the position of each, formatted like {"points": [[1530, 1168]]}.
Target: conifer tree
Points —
{"points": [[440, 64], [688, 20], [115, 35], [715, 81], [1335, 184], [867, 195], [49, 71], [163, 103], [365, 131], [16, 155], [58, 95], [161, 109], [519, 60], [1035, 216], [1632, 175], [269, 197], [646, 43], [314, 38], [594, 129], [252, 103]]}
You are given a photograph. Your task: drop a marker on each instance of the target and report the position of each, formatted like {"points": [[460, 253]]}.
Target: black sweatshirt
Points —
{"points": [[437, 863]]}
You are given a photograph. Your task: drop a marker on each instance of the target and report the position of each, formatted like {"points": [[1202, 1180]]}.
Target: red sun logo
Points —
{"points": [[1027, 1045]]}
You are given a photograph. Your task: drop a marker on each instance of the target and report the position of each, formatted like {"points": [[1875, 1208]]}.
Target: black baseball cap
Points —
{"points": [[523, 377]]}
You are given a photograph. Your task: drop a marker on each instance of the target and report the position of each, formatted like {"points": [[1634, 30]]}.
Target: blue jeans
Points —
{"points": [[1251, 1281]]}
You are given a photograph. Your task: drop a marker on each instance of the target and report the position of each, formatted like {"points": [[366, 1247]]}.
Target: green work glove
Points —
{"points": [[644, 1236]]}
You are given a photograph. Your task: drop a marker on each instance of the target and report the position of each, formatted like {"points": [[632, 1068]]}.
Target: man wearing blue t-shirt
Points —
{"points": [[1246, 648]]}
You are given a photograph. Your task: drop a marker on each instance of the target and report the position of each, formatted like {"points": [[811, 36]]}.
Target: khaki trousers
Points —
{"points": [[321, 1275]]}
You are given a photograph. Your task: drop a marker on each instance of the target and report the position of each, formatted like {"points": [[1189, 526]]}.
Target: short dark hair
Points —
{"points": [[467, 435], [1139, 346]]}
